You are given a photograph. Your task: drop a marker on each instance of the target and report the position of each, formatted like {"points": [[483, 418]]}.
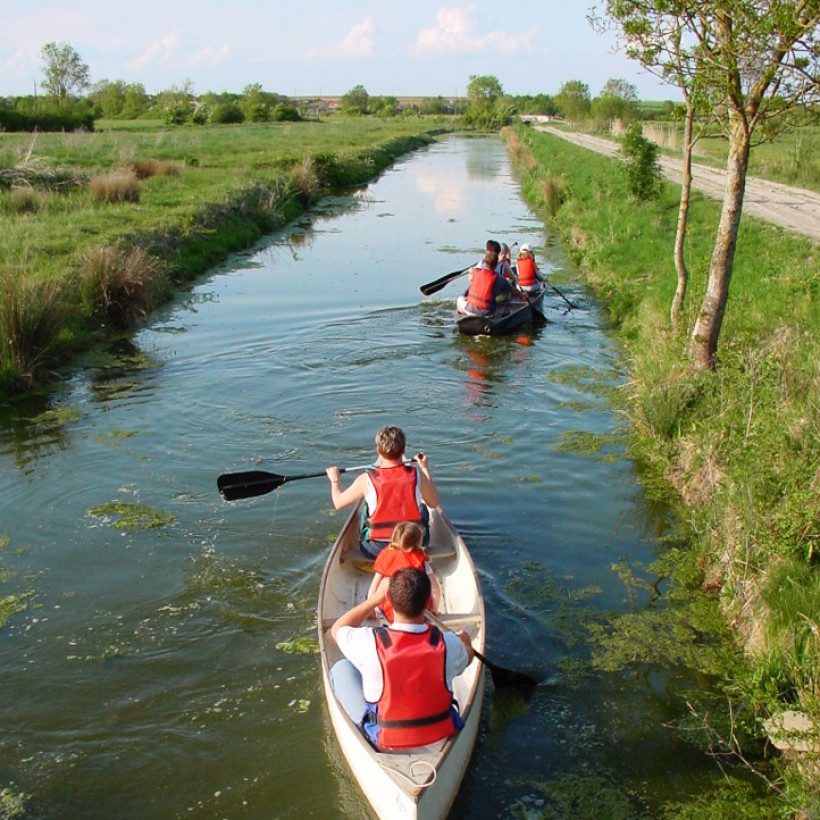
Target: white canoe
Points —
{"points": [[417, 783]]}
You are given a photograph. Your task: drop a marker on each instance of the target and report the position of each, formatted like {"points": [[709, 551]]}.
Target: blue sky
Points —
{"points": [[303, 47]]}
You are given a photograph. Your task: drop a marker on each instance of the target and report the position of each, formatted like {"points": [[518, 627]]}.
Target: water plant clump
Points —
{"points": [[127, 516]]}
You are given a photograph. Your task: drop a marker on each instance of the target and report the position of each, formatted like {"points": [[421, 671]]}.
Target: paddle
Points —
{"points": [[258, 482], [435, 286], [560, 294], [501, 677]]}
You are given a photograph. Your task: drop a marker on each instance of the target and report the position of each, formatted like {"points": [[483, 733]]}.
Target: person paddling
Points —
{"points": [[404, 550], [530, 279], [487, 287], [396, 682], [393, 491]]}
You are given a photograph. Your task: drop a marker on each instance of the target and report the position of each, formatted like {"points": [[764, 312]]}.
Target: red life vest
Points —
{"points": [[388, 562], [480, 294], [395, 500], [526, 272], [414, 708]]}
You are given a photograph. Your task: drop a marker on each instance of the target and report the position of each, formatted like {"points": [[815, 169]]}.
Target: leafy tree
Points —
{"points": [[110, 96], [573, 100], [486, 104], [751, 61], [617, 101], [136, 101], [64, 73], [356, 101]]}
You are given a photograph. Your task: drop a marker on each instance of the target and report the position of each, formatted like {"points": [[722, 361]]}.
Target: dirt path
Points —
{"points": [[795, 209]]}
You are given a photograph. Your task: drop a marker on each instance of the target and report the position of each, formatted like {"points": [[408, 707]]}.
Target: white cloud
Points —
{"points": [[209, 56], [158, 53], [358, 42], [455, 33]]}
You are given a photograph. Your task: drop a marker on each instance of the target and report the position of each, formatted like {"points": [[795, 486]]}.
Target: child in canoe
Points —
{"points": [[404, 550]]}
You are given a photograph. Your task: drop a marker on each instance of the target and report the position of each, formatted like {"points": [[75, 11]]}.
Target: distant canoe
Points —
{"points": [[417, 784]]}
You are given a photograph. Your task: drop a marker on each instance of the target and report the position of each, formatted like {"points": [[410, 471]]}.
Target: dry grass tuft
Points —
{"points": [[31, 316], [22, 200], [120, 186], [147, 168], [119, 286], [554, 194]]}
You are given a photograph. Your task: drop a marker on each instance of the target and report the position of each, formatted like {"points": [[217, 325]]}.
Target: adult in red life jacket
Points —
{"points": [[529, 277], [393, 491], [396, 683], [487, 287]]}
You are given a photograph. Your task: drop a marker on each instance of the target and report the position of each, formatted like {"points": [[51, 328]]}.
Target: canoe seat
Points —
{"points": [[365, 562]]}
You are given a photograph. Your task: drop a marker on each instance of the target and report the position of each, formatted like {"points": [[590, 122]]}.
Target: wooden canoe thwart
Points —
{"points": [[416, 784]]}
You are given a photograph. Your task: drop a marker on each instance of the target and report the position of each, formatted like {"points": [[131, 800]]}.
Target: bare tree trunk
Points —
{"points": [[683, 214], [703, 347]]}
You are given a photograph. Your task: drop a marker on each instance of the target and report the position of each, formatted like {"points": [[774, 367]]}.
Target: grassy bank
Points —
{"points": [[735, 453], [98, 228]]}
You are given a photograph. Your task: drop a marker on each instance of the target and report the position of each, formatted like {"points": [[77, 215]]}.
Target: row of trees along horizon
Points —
{"points": [[69, 101]]}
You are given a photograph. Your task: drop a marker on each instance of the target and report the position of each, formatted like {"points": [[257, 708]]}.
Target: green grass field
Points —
{"points": [[98, 227]]}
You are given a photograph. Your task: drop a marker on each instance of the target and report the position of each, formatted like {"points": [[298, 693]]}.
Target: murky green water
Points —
{"points": [[148, 675]]}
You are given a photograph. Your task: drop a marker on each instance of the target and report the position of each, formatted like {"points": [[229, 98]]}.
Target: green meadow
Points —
{"points": [[99, 227]]}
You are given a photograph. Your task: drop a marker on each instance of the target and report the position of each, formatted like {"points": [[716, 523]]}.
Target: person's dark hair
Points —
{"points": [[390, 442], [409, 592], [492, 245], [491, 259]]}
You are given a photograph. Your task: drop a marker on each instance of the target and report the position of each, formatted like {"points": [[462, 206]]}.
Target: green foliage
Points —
{"points": [[356, 101], [487, 106], [224, 113], [641, 164], [12, 802], [64, 73], [573, 100], [730, 798]]}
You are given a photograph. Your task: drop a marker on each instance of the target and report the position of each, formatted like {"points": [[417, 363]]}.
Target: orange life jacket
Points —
{"points": [[414, 708], [388, 562], [480, 294], [526, 272], [395, 500]]}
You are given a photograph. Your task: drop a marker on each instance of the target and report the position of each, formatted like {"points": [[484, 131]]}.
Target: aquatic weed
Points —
{"points": [[132, 516]]}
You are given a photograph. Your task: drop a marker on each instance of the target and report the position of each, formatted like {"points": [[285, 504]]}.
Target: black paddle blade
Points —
{"points": [[509, 678], [438, 284], [248, 484]]}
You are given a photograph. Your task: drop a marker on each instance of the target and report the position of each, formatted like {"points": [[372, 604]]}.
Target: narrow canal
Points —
{"points": [[153, 671]]}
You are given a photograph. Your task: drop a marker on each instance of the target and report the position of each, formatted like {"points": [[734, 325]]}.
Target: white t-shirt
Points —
{"points": [[358, 644]]}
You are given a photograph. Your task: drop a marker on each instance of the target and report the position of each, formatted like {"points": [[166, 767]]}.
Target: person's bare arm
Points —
{"points": [[465, 639], [359, 613], [427, 487], [343, 498]]}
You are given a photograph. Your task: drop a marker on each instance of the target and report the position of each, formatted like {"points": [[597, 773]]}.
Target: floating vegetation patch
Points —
{"points": [[12, 802], [11, 605], [731, 797], [533, 587], [114, 390], [531, 479], [115, 438], [581, 798], [300, 705], [587, 379], [582, 443], [5, 540], [124, 516], [578, 406], [299, 646], [58, 417]]}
